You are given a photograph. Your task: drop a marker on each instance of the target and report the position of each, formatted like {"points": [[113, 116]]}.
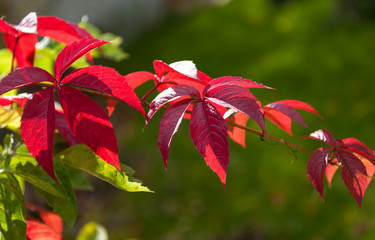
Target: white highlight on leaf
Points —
{"points": [[28, 24], [185, 67]]}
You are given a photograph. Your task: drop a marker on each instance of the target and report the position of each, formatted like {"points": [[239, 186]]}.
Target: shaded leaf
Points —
{"points": [[316, 167], [38, 128], [24, 77], [89, 123], [169, 125]]}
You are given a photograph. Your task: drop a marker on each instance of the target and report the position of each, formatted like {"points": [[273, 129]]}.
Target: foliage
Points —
{"points": [[211, 105]]}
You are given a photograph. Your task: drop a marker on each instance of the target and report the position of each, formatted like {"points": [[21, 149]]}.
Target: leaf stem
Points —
{"points": [[149, 92], [14, 54], [260, 134]]}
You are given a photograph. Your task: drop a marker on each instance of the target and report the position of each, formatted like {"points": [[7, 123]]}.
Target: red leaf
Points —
{"points": [[111, 105], [51, 219], [169, 126], [353, 174], [138, 78], [324, 136], [316, 167], [37, 231], [279, 119], [72, 52], [169, 95], [355, 145], [38, 128], [20, 39], [229, 80], [24, 50], [89, 123], [239, 99], [331, 170], [63, 128], [60, 30], [23, 77], [238, 134], [107, 80], [209, 134], [182, 69], [288, 111], [299, 105]]}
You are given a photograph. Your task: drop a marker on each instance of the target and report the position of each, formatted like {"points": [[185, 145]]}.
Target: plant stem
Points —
{"points": [[261, 134], [149, 92], [13, 54]]}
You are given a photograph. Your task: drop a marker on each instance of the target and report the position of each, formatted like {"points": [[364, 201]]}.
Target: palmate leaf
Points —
{"points": [[94, 165], [356, 158], [209, 134]]}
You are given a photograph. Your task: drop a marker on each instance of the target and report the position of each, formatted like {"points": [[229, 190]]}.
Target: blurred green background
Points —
{"points": [[321, 52]]}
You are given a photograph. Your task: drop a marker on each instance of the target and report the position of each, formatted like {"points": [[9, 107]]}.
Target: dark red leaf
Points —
{"points": [[107, 80], [60, 30], [239, 99], [355, 145], [299, 105], [38, 128], [353, 174], [89, 123], [37, 230], [23, 77], [209, 134], [288, 111], [316, 167], [324, 136], [72, 52], [169, 125], [64, 129], [169, 95]]}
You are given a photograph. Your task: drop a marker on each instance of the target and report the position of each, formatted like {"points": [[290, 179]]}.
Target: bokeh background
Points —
{"points": [[321, 52]]}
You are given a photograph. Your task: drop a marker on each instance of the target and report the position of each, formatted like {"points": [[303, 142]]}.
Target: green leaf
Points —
{"points": [[111, 51], [12, 209], [5, 61], [65, 206], [82, 157], [79, 179], [10, 118], [92, 231]]}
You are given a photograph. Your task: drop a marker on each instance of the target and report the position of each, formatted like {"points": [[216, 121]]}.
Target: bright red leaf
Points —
{"points": [[21, 39]]}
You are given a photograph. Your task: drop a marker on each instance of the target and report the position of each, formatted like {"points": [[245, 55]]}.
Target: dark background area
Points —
{"points": [[320, 52]]}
